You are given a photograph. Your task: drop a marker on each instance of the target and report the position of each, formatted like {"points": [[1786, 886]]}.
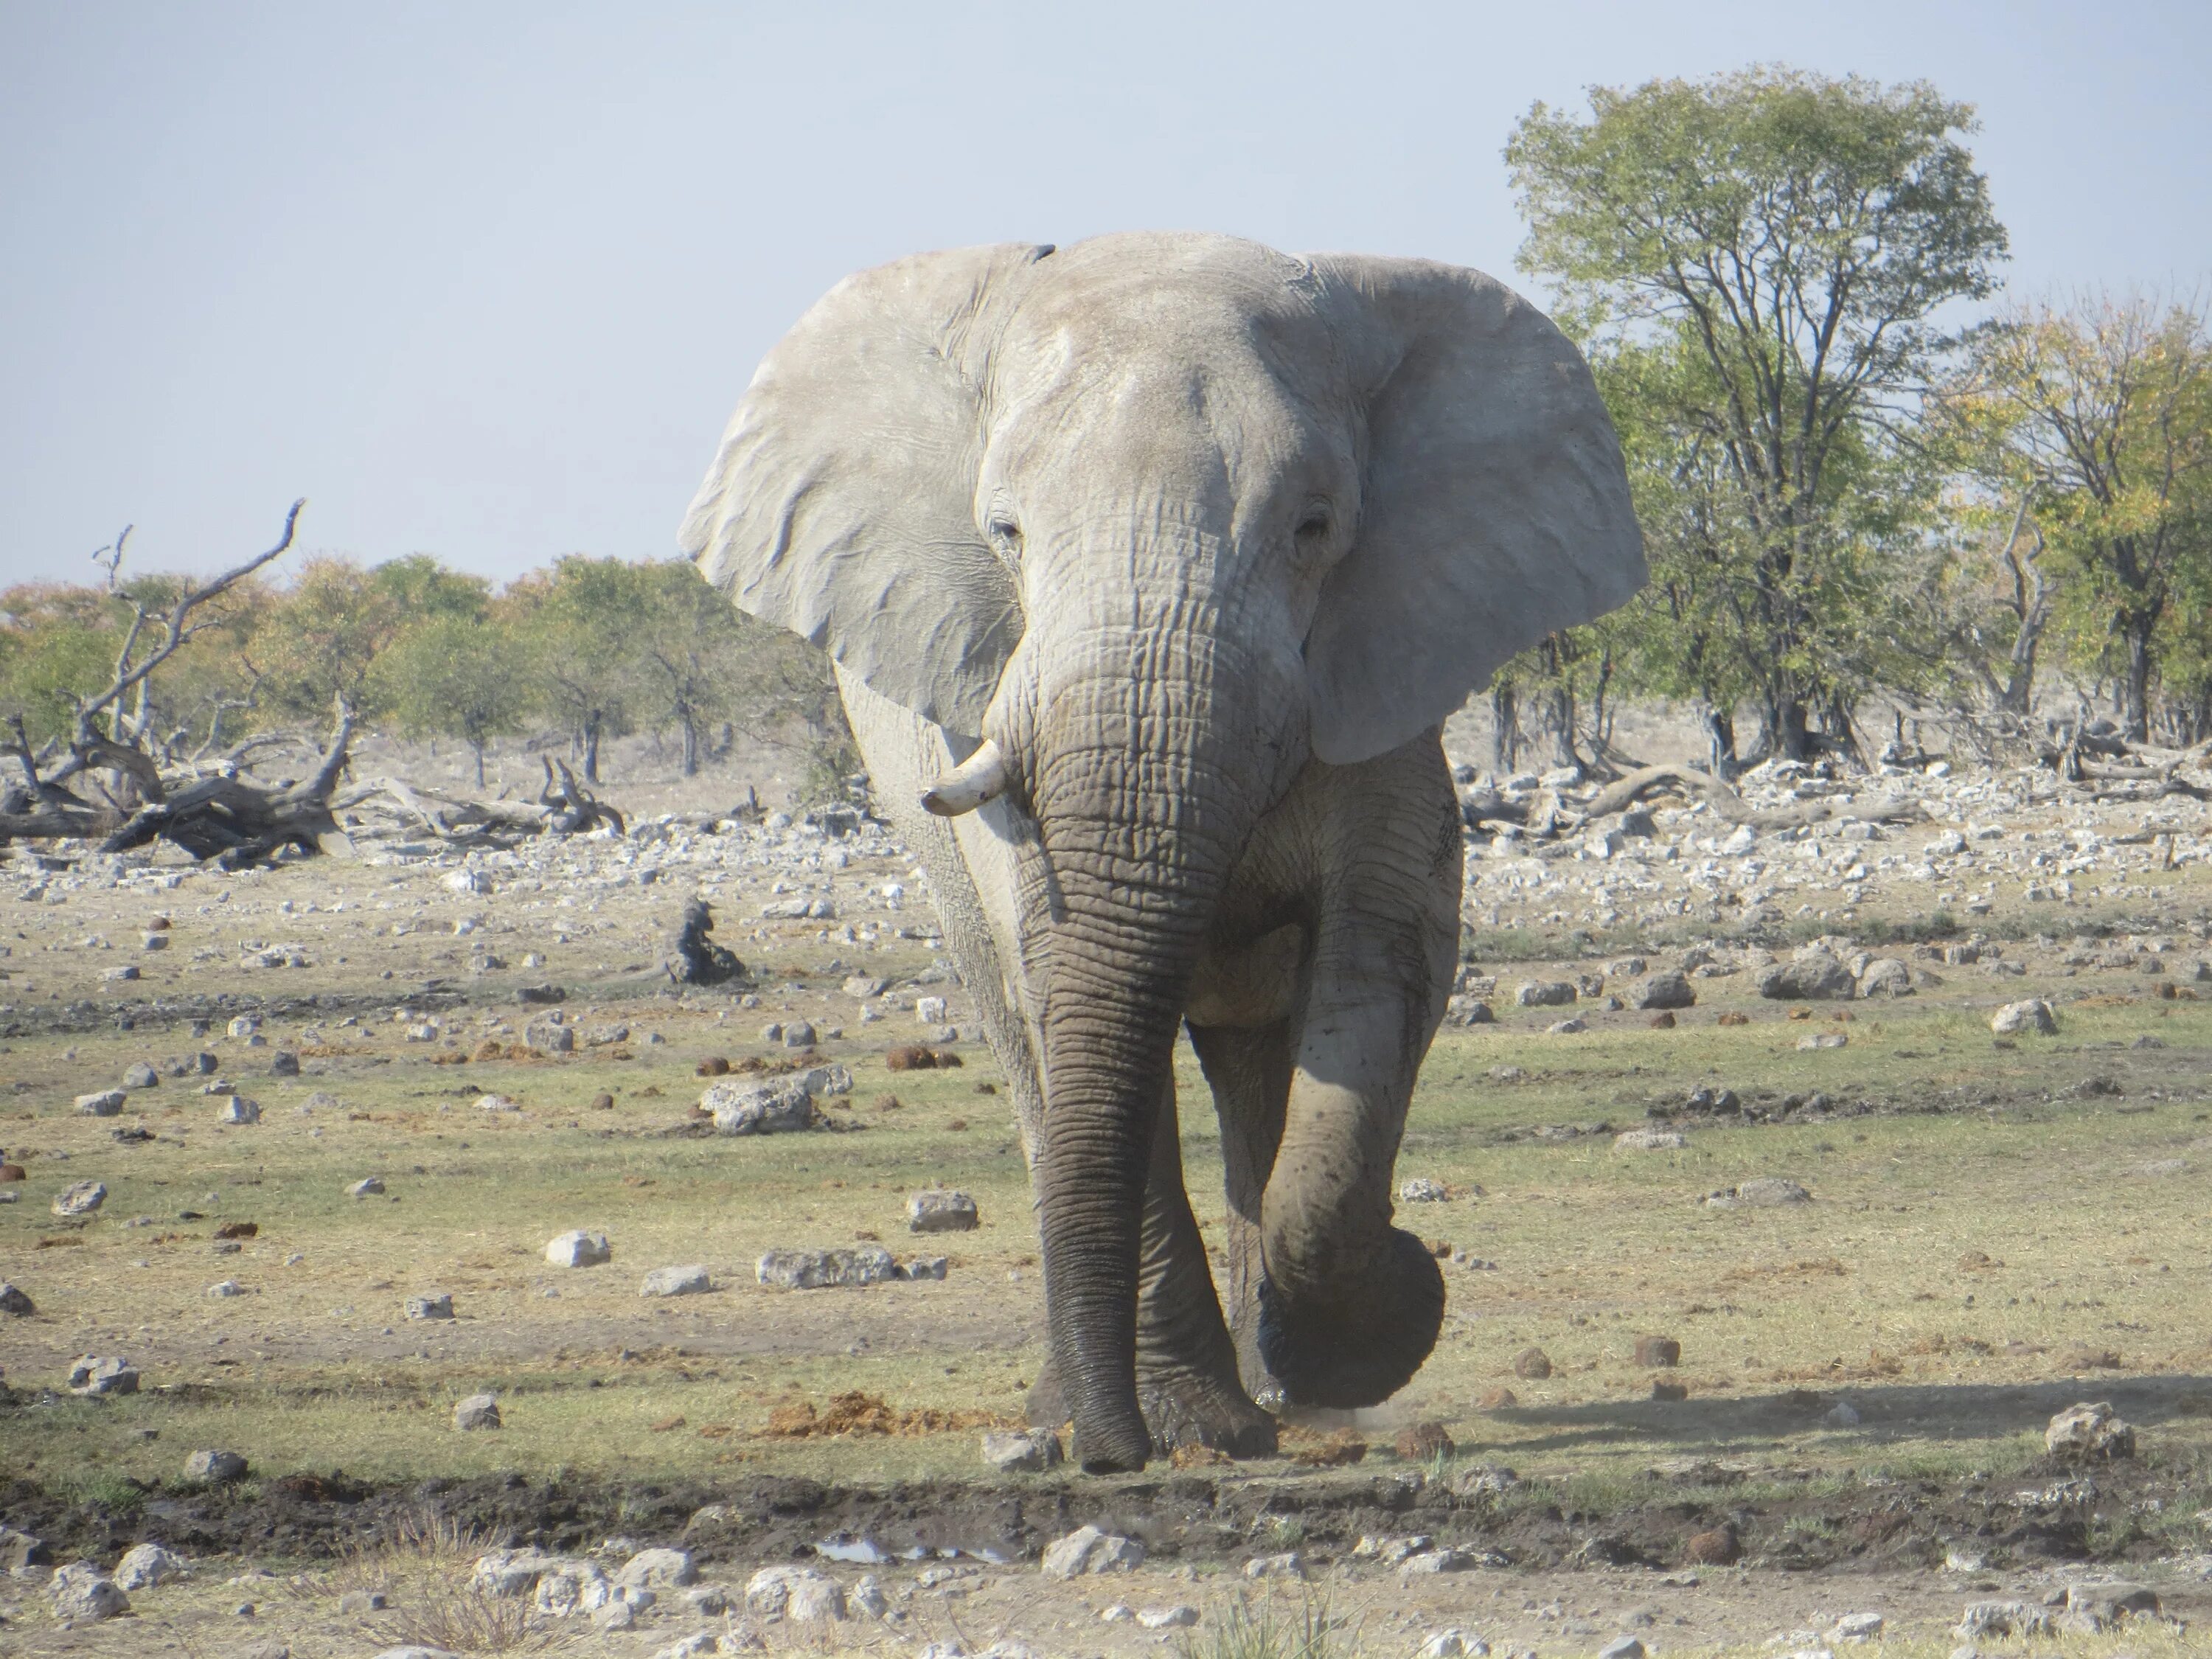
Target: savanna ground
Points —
{"points": [[1995, 1232]]}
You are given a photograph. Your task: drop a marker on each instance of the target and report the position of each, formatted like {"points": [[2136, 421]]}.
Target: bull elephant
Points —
{"points": [[1152, 567]]}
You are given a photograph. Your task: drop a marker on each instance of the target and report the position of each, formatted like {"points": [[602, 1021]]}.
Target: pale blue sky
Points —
{"points": [[485, 280]]}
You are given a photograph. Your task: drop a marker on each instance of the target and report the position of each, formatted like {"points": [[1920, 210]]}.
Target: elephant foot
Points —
{"points": [[1182, 1407], [1353, 1346]]}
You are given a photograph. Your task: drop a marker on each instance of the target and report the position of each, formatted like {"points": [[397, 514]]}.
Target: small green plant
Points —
{"points": [[116, 1493], [1264, 1629], [1282, 1532]]}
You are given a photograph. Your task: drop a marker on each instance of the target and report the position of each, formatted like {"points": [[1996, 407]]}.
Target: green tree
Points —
{"points": [[582, 625], [324, 634], [454, 677], [1755, 263], [2098, 416]]}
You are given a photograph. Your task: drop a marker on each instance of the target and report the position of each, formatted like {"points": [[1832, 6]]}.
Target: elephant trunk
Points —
{"points": [[1140, 813]]}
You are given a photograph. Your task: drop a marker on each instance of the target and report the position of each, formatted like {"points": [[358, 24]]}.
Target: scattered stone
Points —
{"points": [[1858, 1627], [1181, 1617], [13, 1300], [1485, 1480], [580, 1249], [141, 1076], [1570, 1027], [1664, 990], [369, 1186], [687, 1281], [925, 1267], [1651, 1140], [355, 1602], [1842, 1415], [1823, 1040], [1658, 1353], [659, 1569], [1287, 1564], [1088, 1550], [2032, 1015], [284, 1063], [83, 1591], [20, 1551], [1455, 1643], [941, 1211], [1544, 993], [106, 1102], [799, 1593], [215, 1468], [144, 1565], [798, 1034], [1814, 974], [2089, 1432], [478, 1411], [93, 1375], [237, 1108], [1532, 1364], [1423, 1190], [762, 1108], [814, 1270], [438, 1305], [1029, 1451], [1886, 976]]}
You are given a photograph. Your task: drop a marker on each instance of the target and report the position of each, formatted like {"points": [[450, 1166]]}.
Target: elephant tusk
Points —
{"points": [[980, 777]]}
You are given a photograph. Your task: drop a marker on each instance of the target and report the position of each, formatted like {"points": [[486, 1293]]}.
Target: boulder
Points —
{"points": [[2089, 1432], [799, 1593], [104, 1102], [215, 1468], [92, 1376], [1544, 993], [141, 1076], [438, 1305], [580, 1249], [941, 1211], [1532, 1364], [1421, 1190], [814, 1270], [765, 1108], [1651, 1140], [2002, 1620], [80, 1198], [1664, 990], [144, 1565], [1762, 1192], [237, 1108], [478, 1411], [2033, 1014], [1886, 976], [1814, 974], [83, 1591], [1087, 1550], [691, 1279], [659, 1569], [14, 1301], [1024, 1451]]}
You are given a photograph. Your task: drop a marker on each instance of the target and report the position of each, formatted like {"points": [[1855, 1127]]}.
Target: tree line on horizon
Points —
{"points": [[1870, 485]]}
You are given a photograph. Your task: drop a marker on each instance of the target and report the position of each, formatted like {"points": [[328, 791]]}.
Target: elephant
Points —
{"points": [[1151, 568]]}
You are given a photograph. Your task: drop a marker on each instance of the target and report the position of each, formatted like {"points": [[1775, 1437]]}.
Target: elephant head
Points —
{"points": [[1150, 524]]}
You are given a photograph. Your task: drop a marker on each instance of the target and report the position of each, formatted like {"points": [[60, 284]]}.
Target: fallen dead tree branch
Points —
{"points": [[564, 807], [1727, 804]]}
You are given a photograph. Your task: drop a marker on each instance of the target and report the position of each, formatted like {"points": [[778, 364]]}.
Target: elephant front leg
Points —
{"points": [[1186, 1378]]}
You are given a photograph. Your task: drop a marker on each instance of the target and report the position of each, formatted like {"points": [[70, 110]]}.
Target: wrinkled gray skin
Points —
{"points": [[1200, 543]]}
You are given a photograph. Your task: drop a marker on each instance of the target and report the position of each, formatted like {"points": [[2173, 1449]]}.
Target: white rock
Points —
{"points": [[1651, 1140], [1287, 1564], [514, 1572], [1021, 1450], [83, 1591], [1858, 1627], [1455, 1643], [659, 1569], [2033, 1014], [478, 1411], [80, 1198], [580, 1249], [799, 1594], [1180, 1617], [1421, 1190], [144, 1565], [1088, 1550], [239, 1109], [813, 1270], [687, 1281], [106, 1102]]}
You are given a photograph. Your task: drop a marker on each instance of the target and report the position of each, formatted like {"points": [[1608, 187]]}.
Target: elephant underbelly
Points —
{"points": [[1250, 984]]}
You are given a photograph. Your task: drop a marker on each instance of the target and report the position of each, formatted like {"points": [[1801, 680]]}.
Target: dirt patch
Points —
{"points": [[855, 1412], [2050, 1513]]}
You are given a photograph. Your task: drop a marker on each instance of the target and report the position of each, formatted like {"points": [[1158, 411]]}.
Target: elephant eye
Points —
{"points": [[1313, 528], [1007, 538]]}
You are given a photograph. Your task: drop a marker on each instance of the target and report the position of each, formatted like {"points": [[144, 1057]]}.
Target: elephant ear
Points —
{"points": [[1494, 505], [841, 505]]}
